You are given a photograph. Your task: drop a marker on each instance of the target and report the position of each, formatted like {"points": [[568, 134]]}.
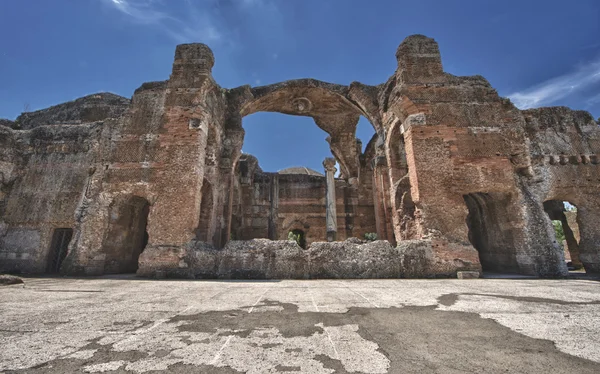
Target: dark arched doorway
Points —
{"points": [[298, 236], [490, 231], [126, 236]]}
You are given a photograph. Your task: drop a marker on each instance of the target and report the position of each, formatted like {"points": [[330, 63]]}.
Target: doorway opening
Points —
{"points": [[126, 236], [490, 231], [566, 230], [58, 249]]}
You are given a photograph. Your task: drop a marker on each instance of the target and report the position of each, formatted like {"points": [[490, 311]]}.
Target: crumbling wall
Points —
{"points": [[6, 122], [565, 154], [45, 191], [9, 162], [283, 259], [90, 108]]}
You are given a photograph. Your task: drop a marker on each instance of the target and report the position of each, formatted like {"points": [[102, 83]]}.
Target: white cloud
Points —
{"points": [[196, 25], [141, 11], [559, 87], [196, 20]]}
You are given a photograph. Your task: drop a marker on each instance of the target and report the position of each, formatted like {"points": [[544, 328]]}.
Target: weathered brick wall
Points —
{"points": [[465, 144], [270, 205], [160, 152]]}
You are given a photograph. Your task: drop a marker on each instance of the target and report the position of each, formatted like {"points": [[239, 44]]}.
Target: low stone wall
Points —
{"points": [[282, 259]]}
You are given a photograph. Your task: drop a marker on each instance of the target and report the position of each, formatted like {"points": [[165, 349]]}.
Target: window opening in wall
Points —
{"points": [[298, 236]]}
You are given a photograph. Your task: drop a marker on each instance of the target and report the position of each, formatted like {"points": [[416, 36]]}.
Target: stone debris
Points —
{"points": [[7, 280]]}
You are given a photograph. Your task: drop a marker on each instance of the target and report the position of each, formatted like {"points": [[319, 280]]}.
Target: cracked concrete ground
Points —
{"points": [[129, 325]]}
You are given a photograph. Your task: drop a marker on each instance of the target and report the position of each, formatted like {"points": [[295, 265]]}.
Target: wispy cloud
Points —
{"points": [[561, 87], [592, 101], [184, 21], [141, 11]]}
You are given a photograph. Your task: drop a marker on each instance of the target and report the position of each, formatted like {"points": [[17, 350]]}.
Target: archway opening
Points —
{"points": [[299, 237], [126, 236], [566, 230], [59, 245], [280, 176], [206, 210], [308, 124], [364, 132], [281, 141], [490, 231]]}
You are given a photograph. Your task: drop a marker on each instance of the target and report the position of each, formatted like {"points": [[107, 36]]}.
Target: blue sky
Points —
{"points": [[536, 52]]}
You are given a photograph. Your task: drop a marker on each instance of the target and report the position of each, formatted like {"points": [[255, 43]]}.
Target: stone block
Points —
{"points": [[467, 274]]}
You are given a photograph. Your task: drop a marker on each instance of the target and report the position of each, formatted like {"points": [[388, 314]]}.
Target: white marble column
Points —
{"points": [[330, 202]]}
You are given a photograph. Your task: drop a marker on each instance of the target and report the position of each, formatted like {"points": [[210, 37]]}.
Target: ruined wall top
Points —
{"points": [[91, 108], [419, 60], [7, 122], [192, 65]]}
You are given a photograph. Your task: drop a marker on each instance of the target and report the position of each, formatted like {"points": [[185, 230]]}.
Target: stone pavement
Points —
{"points": [[125, 324]]}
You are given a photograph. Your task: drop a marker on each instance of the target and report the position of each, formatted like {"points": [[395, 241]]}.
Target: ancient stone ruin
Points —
{"points": [[455, 179]]}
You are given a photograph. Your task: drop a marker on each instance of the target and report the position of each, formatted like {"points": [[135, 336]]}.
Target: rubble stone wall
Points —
{"points": [[283, 259], [91, 108], [46, 181]]}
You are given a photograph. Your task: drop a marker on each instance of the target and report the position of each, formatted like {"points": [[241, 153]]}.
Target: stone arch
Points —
{"points": [[588, 221], [295, 223], [396, 152], [336, 109], [557, 212], [312, 98], [126, 236], [401, 201]]}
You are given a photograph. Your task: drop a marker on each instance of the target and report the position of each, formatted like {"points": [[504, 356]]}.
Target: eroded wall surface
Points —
{"points": [[42, 190]]}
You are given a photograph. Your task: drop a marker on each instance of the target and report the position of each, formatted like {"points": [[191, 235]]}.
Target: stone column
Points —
{"points": [[330, 201]]}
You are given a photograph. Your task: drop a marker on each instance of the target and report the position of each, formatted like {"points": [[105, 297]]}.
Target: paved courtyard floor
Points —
{"points": [[130, 325]]}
